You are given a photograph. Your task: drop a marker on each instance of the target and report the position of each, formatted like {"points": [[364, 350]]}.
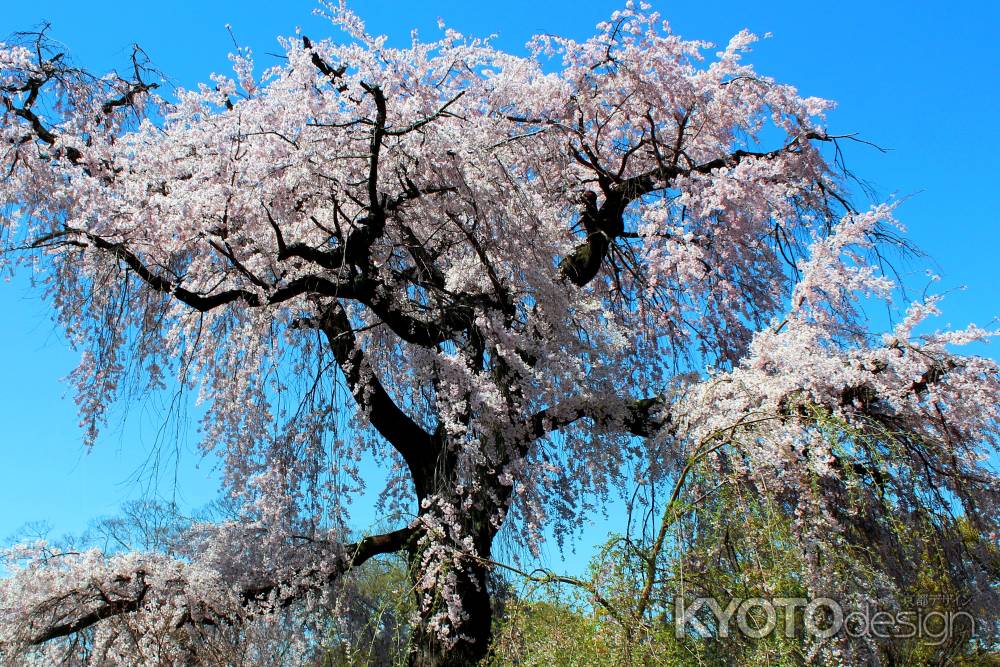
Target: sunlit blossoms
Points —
{"points": [[520, 284]]}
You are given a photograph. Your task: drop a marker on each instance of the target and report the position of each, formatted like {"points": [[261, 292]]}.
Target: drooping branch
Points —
{"points": [[130, 593], [107, 609], [55, 68], [38, 128], [647, 417]]}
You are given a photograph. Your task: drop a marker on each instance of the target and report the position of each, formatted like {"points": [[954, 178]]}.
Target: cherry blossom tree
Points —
{"points": [[519, 283]]}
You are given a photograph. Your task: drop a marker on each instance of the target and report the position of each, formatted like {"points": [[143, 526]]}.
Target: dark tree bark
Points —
{"points": [[427, 648]]}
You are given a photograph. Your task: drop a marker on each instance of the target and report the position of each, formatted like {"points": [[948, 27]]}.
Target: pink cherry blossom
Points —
{"points": [[512, 280]]}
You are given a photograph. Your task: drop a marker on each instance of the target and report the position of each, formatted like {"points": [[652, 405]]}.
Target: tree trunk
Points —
{"points": [[455, 611], [468, 641]]}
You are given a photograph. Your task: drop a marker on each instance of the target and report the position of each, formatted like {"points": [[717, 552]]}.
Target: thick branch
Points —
{"points": [[363, 290], [415, 445], [127, 98], [606, 223], [355, 555], [108, 610], [322, 65], [639, 417]]}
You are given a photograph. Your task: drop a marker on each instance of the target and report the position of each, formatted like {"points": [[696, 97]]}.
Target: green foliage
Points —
{"points": [[550, 632], [374, 628], [729, 544]]}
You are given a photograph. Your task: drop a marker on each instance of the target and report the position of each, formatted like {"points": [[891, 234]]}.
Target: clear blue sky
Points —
{"points": [[917, 77]]}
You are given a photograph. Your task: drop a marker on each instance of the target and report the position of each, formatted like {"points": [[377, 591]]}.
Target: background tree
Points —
{"points": [[505, 282], [735, 545]]}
